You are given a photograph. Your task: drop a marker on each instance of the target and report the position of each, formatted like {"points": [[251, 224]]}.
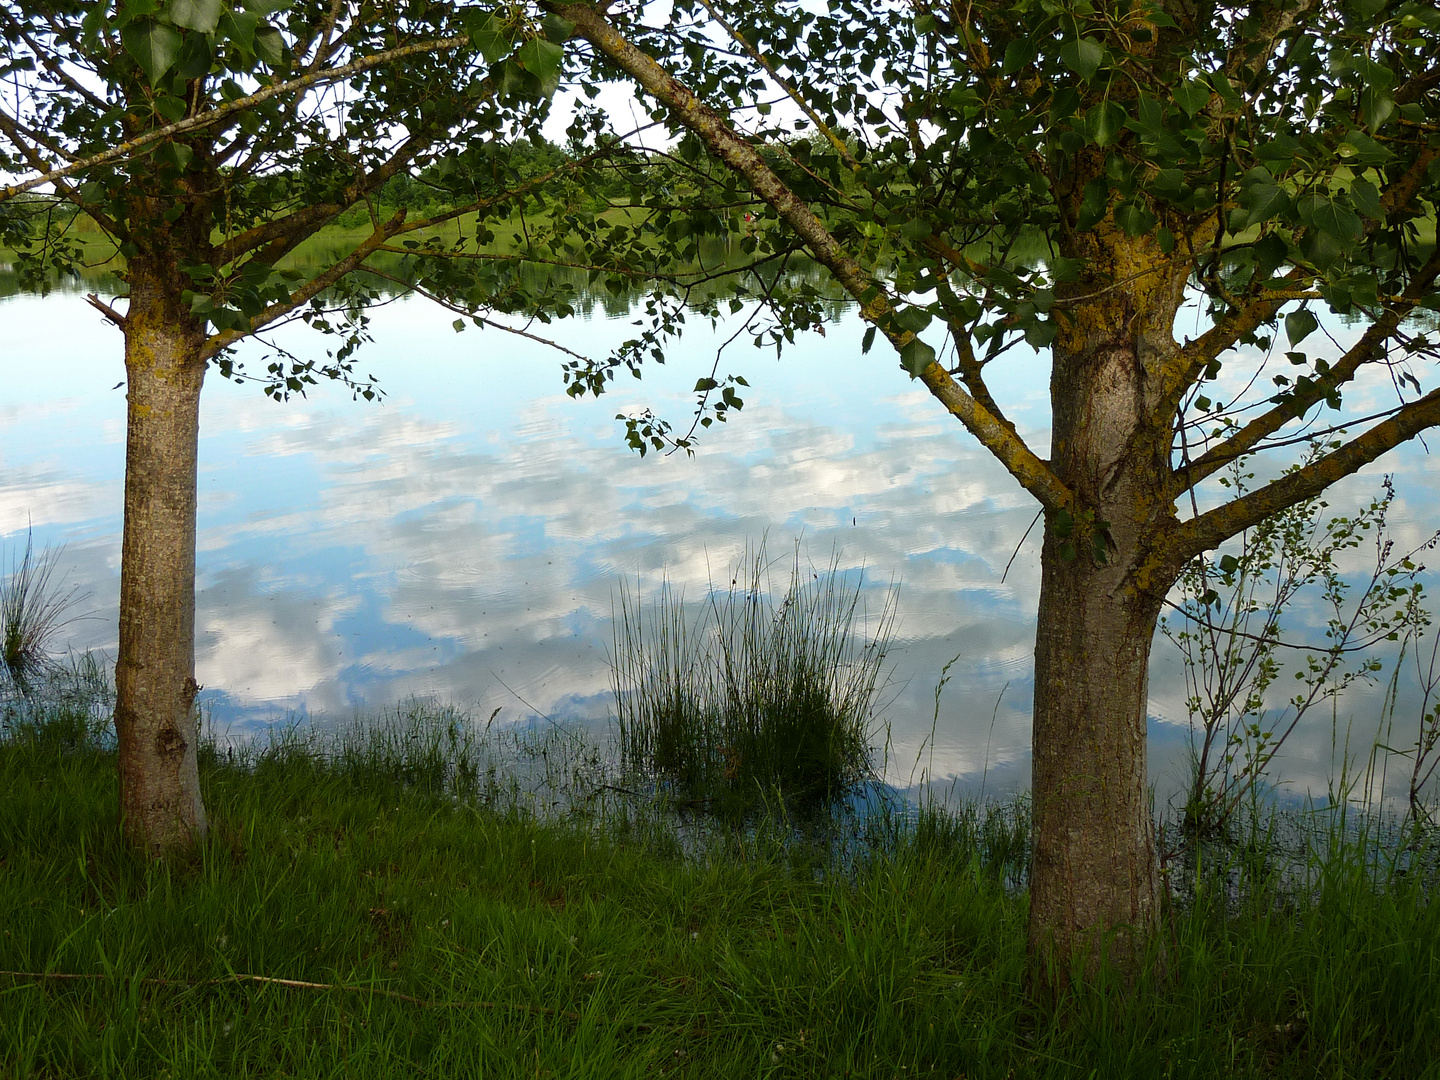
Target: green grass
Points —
{"points": [[460, 937]]}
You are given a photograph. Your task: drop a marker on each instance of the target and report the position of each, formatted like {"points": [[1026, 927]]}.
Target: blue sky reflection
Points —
{"points": [[465, 539]]}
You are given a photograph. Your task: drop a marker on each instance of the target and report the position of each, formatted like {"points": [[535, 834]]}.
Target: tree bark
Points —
{"points": [[155, 718], [1094, 889], [1105, 570]]}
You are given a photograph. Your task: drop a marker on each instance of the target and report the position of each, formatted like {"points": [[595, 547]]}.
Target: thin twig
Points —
{"points": [[105, 309], [302, 984], [1270, 639], [1021, 544], [213, 116], [470, 314]]}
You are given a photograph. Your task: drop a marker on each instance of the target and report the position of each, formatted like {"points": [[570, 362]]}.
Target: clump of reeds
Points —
{"points": [[34, 608], [747, 695], [71, 710]]}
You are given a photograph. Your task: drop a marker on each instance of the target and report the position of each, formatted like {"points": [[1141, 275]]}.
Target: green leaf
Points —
{"points": [[1229, 564], [1104, 122], [238, 27], [1093, 204], [1134, 218], [1082, 56], [1064, 523], [1358, 148], [93, 22], [1169, 183], [1377, 105], [1064, 103], [1330, 216], [1100, 547], [1061, 269], [1264, 201], [1270, 252], [509, 78], [1192, 95], [1366, 197], [916, 356], [1299, 325], [170, 108], [269, 45], [1041, 335], [152, 45], [1150, 118], [1280, 147], [487, 34], [1321, 249], [1222, 86], [1166, 239], [867, 341], [195, 58], [1019, 54], [924, 23], [557, 28], [541, 58], [201, 15], [913, 319]]}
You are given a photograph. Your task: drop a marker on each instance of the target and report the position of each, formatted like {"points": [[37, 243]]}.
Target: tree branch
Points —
{"points": [[54, 67], [1300, 401], [105, 310], [1253, 51], [206, 119], [66, 191], [794, 95], [296, 226], [470, 314], [1186, 366], [218, 342], [1211, 529], [1033, 473]]}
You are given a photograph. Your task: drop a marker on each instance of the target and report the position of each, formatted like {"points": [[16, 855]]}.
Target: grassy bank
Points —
{"points": [[351, 913]]}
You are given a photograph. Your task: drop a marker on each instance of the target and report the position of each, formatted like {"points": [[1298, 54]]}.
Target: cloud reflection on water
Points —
{"points": [[465, 539]]}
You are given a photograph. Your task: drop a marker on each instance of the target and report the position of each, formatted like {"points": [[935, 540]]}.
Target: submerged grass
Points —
{"points": [[364, 907], [34, 607], [753, 695]]}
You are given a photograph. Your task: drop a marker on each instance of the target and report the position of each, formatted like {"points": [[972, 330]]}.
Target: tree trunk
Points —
{"points": [[1094, 888], [155, 718]]}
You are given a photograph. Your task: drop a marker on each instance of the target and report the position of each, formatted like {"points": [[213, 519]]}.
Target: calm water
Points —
{"points": [[464, 540]]}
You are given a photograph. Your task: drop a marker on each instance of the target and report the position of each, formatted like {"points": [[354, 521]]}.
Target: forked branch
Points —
{"points": [[1209, 530], [1303, 398]]}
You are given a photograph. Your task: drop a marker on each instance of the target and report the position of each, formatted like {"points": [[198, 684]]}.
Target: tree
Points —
{"points": [[1064, 174], [208, 139]]}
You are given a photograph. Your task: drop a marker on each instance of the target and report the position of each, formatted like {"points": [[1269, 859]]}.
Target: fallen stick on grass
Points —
{"points": [[301, 984]]}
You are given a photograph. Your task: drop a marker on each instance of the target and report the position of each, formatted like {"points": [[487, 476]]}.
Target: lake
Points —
{"points": [[465, 539]]}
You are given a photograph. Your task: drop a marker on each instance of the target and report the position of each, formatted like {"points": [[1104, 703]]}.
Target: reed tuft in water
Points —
{"points": [[745, 695], [34, 608]]}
